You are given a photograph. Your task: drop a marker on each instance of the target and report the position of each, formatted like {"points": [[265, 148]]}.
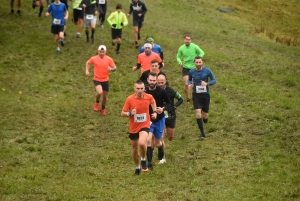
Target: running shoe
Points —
{"points": [[96, 107], [78, 35], [144, 166], [188, 101], [118, 53], [57, 50], [137, 171], [150, 166], [12, 11], [202, 136], [62, 42], [162, 161], [103, 112], [19, 13]]}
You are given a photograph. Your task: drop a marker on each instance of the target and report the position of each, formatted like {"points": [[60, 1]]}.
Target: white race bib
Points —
{"points": [[201, 89], [101, 1], [89, 17], [140, 117], [166, 114], [56, 21]]}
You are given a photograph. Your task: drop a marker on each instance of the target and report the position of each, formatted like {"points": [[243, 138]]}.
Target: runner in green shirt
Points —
{"points": [[185, 58]]}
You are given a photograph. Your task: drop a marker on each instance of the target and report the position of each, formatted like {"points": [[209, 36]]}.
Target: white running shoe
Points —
{"points": [[162, 161]]}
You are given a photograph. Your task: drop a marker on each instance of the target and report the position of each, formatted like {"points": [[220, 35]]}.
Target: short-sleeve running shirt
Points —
{"points": [[58, 13], [145, 60], [101, 65], [142, 117]]}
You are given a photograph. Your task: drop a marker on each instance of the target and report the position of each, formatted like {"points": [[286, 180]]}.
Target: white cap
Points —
{"points": [[148, 45], [102, 47]]}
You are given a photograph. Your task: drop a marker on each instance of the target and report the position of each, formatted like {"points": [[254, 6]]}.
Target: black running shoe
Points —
{"points": [[202, 136], [150, 166], [19, 13], [118, 53], [62, 42], [144, 166], [12, 11], [137, 171]]}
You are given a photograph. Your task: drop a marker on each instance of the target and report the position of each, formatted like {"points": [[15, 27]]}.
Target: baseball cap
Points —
{"points": [[102, 47], [148, 45]]}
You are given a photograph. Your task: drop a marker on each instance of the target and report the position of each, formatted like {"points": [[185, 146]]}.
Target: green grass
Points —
{"points": [[54, 147]]}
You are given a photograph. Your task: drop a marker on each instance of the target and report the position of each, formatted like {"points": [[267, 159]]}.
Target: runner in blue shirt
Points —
{"points": [[59, 15], [198, 81], [155, 47]]}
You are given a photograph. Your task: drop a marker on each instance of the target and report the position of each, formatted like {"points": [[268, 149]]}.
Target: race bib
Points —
{"points": [[56, 21], [89, 17], [101, 1], [140, 117], [166, 114], [201, 89]]}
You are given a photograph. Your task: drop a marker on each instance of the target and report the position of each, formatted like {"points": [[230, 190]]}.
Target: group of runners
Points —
{"points": [[151, 109]]}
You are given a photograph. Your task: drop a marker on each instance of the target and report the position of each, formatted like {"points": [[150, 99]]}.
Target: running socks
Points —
{"points": [[200, 125], [161, 152], [149, 154]]}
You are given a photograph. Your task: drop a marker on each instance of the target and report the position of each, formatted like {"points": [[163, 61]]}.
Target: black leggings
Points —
{"points": [[102, 12]]}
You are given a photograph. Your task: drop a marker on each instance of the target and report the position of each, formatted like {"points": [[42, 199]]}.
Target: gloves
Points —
{"points": [[114, 25], [122, 24]]}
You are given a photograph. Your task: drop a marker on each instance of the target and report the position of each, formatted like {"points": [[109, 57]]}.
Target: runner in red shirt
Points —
{"points": [[136, 107], [103, 64]]}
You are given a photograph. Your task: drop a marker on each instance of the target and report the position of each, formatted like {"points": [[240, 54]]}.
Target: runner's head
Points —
{"points": [[139, 88], [187, 39], [150, 39], [101, 51], [147, 48], [119, 7], [161, 81], [154, 66], [198, 62], [152, 80]]}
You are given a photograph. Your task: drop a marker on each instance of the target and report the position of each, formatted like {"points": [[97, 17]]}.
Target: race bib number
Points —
{"points": [[56, 21], [140, 117], [166, 114], [89, 17], [101, 1], [201, 89]]}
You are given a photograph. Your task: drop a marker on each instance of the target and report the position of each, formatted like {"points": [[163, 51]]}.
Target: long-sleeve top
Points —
{"points": [[117, 18], [160, 96], [188, 53], [136, 8], [195, 77], [91, 6], [173, 94]]}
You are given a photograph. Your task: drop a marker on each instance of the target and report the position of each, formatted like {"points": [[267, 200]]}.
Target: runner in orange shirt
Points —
{"points": [[102, 65], [145, 58], [137, 107]]}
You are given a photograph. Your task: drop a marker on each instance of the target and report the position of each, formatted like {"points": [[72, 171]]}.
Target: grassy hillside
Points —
{"points": [[55, 147]]}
